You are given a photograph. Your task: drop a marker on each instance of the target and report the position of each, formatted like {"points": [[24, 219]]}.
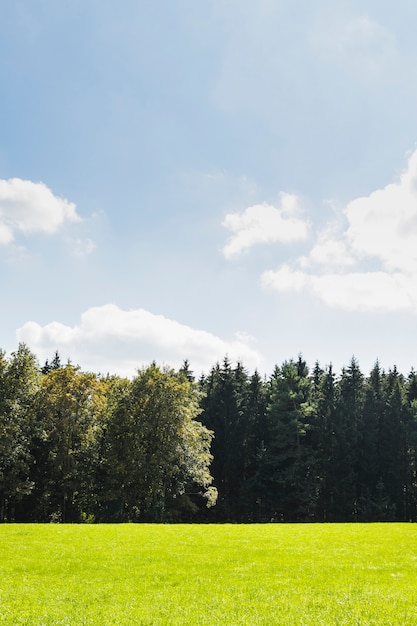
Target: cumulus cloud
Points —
{"points": [[384, 224], [354, 291], [264, 223], [29, 207], [111, 339], [329, 251], [381, 230]]}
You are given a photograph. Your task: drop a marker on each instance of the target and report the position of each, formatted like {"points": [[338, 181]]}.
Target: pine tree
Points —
{"points": [[253, 496], [411, 447], [225, 413], [344, 466], [392, 446], [371, 505], [290, 457], [326, 446]]}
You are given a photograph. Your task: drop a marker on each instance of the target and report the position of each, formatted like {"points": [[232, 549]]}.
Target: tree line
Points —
{"points": [[75, 446], [300, 445]]}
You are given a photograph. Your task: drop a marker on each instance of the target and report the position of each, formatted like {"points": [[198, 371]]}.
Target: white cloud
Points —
{"points": [[6, 234], [355, 291], [384, 224], [111, 339], [285, 279], [29, 207], [382, 230], [264, 223], [329, 252]]}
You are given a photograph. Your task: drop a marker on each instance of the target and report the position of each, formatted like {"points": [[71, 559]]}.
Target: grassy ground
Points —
{"points": [[226, 574]]}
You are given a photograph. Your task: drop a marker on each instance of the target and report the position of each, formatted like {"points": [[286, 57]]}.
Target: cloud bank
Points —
{"points": [[370, 264], [29, 207], [109, 339]]}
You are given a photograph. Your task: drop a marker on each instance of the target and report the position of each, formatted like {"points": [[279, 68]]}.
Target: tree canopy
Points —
{"points": [[299, 445]]}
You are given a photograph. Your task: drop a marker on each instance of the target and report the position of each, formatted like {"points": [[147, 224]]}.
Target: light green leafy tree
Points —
{"points": [[157, 455], [70, 412]]}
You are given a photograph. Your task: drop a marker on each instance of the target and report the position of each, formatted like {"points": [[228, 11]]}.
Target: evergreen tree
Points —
{"points": [[392, 446], [371, 502], [344, 466], [290, 457], [224, 412], [53, 365], [411, 447], [253, 495], [326, 446]]}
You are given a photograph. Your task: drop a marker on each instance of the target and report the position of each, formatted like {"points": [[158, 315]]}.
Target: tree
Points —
{"points": [[19, 380], [225, 412], [348, 414], [53, 365], [411, 447], [290, 456], [371, 502], [325, 446], [157, 455], [253, 494], [69, 410], [391, 440]]}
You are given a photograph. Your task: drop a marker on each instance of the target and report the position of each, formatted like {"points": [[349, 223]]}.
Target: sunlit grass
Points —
{"points": [[208, 574]]}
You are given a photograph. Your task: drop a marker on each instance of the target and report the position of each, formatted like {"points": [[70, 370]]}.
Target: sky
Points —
{"points": [[190, 180]]}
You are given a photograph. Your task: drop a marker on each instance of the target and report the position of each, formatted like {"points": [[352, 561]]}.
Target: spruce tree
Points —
{"points": [[290, 457]]}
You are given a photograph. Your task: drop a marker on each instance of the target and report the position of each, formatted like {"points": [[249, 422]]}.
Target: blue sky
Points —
{"points": [[193, 179]]}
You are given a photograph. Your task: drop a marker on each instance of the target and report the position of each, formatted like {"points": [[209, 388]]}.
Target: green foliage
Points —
{"points": [[157, 454], [290, 458], [284, 574], [347, 417], [303, 446], [19, 382], [69, 411], [234, 408], [78, 447], [297, 446]]}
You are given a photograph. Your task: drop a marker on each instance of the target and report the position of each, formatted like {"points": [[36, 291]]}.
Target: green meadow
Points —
{"points": [[291, 574]]}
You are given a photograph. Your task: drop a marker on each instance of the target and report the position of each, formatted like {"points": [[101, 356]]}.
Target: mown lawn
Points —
{"points": [[209, 574]]}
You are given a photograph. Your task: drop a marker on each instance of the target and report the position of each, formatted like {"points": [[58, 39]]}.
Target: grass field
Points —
{"points": [[208, 574]]}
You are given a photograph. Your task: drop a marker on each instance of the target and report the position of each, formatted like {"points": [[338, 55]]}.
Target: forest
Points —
{"points": [[299, 445]]}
